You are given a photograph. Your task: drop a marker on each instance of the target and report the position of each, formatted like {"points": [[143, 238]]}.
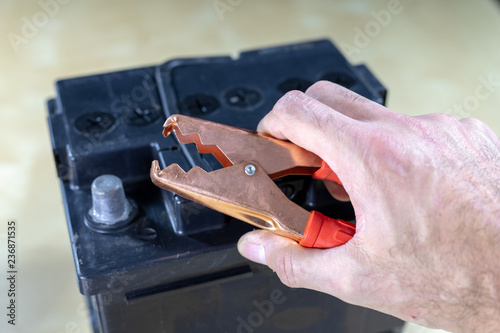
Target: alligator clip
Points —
{"points": [[243, 188]]}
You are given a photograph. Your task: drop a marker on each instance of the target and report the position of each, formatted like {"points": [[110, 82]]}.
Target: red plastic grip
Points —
{"points": [[326, 173], [324, 232]]}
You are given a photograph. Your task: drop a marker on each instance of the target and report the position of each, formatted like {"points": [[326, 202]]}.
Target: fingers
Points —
{"points": [[347, 102], [312, 125], [300, 267], [324, 109], [333, 135]]}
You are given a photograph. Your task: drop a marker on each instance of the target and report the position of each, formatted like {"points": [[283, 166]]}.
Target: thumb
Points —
{"points": [[299, 267]]}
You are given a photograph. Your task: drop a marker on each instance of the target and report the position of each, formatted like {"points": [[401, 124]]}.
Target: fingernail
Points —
{"points": [[261, 127], [252, 251]]}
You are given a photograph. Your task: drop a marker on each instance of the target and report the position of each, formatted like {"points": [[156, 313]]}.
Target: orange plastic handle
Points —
{"points": [[324, 232], [326, 173]]}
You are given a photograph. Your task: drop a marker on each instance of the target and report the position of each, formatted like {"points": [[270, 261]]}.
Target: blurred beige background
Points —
{"points": [[431, 55]]}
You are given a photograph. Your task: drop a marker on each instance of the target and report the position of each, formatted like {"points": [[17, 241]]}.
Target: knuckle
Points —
{"points": [[287, 270], [385, 154], [441, 117], [288, 102], [421, 126], [432, 130], [349, 95], [319, 87], [473, 123], [481, 135], [291, 96]]}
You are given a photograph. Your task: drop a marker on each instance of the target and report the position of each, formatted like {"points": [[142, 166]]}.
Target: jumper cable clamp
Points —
{"points": [[244, 187]]}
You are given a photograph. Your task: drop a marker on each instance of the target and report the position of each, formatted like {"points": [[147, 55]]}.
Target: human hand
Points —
{"points": [[426, 193]]}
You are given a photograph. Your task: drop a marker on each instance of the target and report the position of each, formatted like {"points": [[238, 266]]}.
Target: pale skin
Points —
{"points": [[426, 193]]}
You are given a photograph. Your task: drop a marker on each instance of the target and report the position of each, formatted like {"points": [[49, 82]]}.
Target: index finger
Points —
{"points": [[347, 101], [314, 126]]}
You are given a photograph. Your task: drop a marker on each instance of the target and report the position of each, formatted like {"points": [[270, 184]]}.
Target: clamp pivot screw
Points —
{"points": [[250, 169]]}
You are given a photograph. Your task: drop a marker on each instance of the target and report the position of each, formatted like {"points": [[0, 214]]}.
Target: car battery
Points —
{"points": [[169, 264]]}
